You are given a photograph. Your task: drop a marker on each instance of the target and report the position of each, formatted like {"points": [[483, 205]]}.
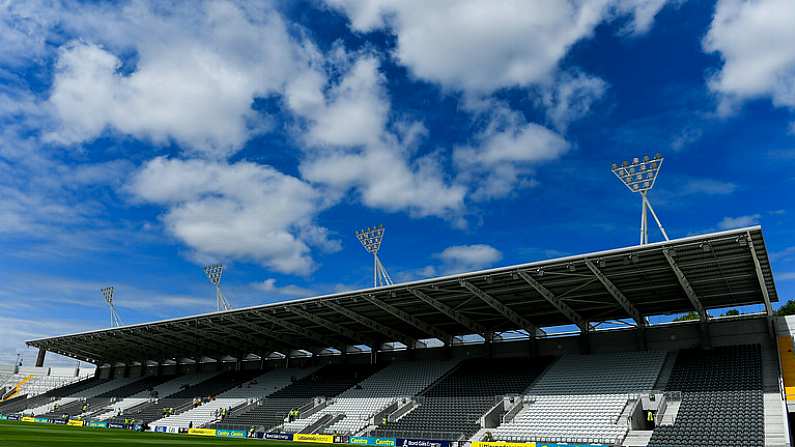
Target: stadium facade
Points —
{"points": [[567, 350]]}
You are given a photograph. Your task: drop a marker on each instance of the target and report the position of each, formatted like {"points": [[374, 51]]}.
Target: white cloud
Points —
{"points": [[351, 146], [290, 291], [481, 46], [197, 90], [461, 258], [236, 211], [786, 276], [737, 222], [754, 39], [505, 153], [707, 186], [571, 97], [24, 28]]}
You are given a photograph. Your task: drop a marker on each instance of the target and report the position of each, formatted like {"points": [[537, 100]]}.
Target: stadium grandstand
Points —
{"points": [[579, 350]]}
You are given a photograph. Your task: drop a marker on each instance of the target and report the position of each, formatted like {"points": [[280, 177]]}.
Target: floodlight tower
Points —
{"points": [[108, 292], [639, 176], [370, 239], [213, 273]]}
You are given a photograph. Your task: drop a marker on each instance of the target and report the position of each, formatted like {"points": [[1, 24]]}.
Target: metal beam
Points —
{"points": [[282, 339], [343, 331], [508, 313], [276, 341], [760, 277], [689, 291], [386, 331], [300, 330], [617, 294], [453, 314], [562, 307], [424, 327]]}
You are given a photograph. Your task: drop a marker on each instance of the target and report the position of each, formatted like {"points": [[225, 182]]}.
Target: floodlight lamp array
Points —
{"points": [[640, 174], [371, 238], [213, 273], [107, 292]]}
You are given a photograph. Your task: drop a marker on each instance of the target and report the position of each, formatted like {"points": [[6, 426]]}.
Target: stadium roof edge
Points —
{"points": [[755, 233]]}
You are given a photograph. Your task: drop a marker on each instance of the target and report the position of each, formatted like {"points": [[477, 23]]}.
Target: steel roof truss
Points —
{"points": [[451, 313], [616, 293], [345, 332], [299, 330], [562, 307], [387, 332], [760, 276], [688, 288], [508, 313], [424, 327]]}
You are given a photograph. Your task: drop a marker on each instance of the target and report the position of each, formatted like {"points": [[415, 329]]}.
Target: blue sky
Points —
{"points": [[141, 140]]}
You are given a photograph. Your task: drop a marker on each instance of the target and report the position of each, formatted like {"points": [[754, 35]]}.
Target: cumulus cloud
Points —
{"points": [[461, 258], [728, 223], [754, 39], [24, 28], [351, 145], [505, 153], [241, 210], [571, 97], [291, 290], [482, 46], [197, 90]]}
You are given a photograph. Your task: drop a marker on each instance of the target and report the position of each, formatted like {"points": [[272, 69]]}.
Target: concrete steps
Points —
{"points": [[776, 426], [638, 438]]}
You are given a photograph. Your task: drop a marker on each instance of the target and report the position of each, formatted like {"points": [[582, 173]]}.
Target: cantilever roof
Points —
{"points": [[719, 269]]}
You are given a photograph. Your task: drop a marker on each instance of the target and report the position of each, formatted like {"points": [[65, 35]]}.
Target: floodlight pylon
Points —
{"points": [[639, 176], [371, 239], [214, 272], [108, 293]]}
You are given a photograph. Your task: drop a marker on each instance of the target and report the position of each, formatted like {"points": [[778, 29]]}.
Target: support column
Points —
{"points": [[641, 335], [706, 338], [40, 357], [533, 346], [374, 352], [585, 342], [488, 344]]}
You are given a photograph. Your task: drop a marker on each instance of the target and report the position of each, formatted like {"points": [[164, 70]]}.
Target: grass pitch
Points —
{"points": [[18, 434]]}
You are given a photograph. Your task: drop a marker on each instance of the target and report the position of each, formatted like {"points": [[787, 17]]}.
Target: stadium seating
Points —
{"points": [[581, 398], [361, 402], [722, 400], [173, 386], [27, 404], [181, 401], [67, 404], [258, 387], [452, 408], [99, 404]]}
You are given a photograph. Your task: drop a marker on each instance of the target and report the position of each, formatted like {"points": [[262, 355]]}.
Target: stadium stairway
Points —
{"points": [[245, 393], [163, 390], [452, 408], [584, 399], [82, 394], [722, 399], [181, 401], [15, 390], [776, 426], [359, 404]]}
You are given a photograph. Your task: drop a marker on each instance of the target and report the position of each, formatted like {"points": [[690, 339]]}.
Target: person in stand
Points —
{"points": [[190, 425], [649, 420], [385, 421]]}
